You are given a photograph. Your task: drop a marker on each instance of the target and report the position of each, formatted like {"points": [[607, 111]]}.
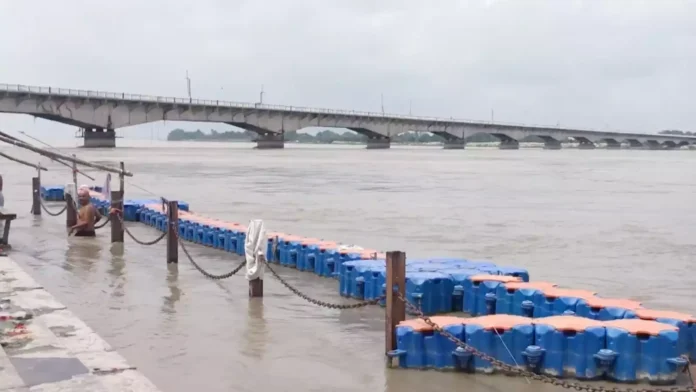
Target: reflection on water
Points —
{"points": [[174, 290], [618, 222], [255, 335], [82, 254]]}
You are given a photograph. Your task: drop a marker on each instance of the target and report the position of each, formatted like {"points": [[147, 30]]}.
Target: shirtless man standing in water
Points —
{"points": [[87, 216]]}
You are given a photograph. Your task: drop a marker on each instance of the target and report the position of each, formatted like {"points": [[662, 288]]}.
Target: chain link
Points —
{"points": [[498, 364], [204, 272], [146, 243], [323, 304], [108, 219], [49, 212]]}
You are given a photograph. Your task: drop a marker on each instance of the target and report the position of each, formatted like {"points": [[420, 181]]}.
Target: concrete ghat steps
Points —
{"points": [[55, 351]]}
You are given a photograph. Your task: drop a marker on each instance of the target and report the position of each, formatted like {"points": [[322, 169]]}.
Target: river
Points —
{"points": [[620, 222]]}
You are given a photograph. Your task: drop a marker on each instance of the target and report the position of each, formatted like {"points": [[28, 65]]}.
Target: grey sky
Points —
{"points": [[627, 65]]}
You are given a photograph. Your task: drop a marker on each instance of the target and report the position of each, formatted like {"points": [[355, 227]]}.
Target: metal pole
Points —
{"points": [[172, 232], [396, 308], [36, 195], [117, 230]]}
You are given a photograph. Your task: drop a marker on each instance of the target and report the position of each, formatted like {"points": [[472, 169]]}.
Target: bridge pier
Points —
{"points": [[652, 145], [99, 138], [454, 144], [552, 144], [634, 144], [509, 144], [613, 145], [378, 143], [270, 141]]}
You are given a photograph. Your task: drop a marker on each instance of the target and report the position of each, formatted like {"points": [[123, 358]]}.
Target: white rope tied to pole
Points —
{"points": [[255, 249]]}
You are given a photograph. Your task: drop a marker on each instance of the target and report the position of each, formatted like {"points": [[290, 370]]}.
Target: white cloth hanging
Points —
{"points": [[255, 249]]}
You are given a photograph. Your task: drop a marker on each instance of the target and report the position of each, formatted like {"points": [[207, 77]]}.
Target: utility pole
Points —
{"points": [[382, 99], [410, 106], [492, 121], [188, 84], [261, 95]]}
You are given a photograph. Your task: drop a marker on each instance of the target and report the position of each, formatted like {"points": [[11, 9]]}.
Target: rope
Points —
{"points": [[317, 302], [204, 272], [43, 207]]}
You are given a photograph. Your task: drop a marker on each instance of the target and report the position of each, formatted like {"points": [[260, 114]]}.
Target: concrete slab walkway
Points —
{"points": [[46, 348]]}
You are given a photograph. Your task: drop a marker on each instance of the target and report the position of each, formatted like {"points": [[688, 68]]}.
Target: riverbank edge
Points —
{"points": [[54, 350]]}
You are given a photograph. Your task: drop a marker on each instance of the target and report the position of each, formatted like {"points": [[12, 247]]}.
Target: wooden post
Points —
{"points": [[70, 211], [36, 196], [74, 173], [122, 179], [172, 232], [256, 285], [396, 308], [117, 230], [256, 288]]}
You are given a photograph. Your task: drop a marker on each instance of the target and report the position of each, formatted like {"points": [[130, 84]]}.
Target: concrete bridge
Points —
{"points": [[100, 113]]}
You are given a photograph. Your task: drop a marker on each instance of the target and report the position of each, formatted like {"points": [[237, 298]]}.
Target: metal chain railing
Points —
{"points": [[49, 212], [317, 302], [106, 221], [146, 243], [498, 364], [204, 272]]}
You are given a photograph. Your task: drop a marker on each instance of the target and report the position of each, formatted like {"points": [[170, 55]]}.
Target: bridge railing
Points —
{"points": [[246, 105], [232, 104]]}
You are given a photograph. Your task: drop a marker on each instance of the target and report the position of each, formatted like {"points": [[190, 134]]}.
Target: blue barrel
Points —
{"points": [[419, 347], [191, 231], [233, 240], [566, 346], [555, 301], [374, 282], [606, 309], [307, 248], [182, 228], [458, 275], [241, 242], [431, 292], [686, 324], [130, 210], [517, 298], [475, 289], [345, 276], [514, 271], [439, 350], [219, 238], [325, 262], [501, 336], [480, 264], [361, 273], [644, 351]]}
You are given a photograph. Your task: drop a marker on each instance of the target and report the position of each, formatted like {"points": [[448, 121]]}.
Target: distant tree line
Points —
{"points": [[322, 137], [677, 132]]}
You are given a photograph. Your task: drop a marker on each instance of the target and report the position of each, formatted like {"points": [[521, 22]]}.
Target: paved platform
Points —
{"points": [[46, 348]]}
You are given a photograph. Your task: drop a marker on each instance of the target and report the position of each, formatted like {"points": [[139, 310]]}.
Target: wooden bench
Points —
{"points": [[7, 218]]}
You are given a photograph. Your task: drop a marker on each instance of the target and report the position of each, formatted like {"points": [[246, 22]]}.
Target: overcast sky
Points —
{"points": [[625, 65]]}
